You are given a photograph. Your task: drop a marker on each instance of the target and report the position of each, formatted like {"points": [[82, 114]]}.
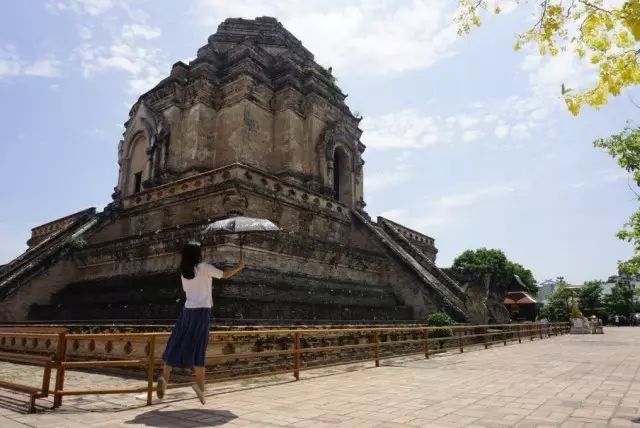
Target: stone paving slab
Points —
{"points": [[568, 381]]}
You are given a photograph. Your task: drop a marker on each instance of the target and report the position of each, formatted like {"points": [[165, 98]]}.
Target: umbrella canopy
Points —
{"points": [[240, 225]]}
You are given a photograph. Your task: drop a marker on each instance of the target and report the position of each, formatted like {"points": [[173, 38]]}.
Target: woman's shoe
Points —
{"points": [[161, 388], [199, 393]]}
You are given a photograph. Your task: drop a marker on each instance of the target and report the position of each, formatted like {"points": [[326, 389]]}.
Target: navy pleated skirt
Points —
{"points": [[187, 345]]}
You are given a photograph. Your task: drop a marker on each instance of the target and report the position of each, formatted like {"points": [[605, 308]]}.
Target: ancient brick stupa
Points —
{"points": [[252, 126]]}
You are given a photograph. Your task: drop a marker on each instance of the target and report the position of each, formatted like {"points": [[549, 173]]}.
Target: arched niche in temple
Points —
{"points": [[342, 176]]}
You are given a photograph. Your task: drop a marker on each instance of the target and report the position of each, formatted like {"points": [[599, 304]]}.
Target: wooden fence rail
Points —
{"points": [[302, 349]]}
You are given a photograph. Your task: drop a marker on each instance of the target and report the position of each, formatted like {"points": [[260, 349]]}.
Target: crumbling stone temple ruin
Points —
{"points": [[252, 126]]}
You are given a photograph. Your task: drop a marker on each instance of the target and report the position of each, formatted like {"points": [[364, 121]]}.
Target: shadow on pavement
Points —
{"points": [[195, 418]]}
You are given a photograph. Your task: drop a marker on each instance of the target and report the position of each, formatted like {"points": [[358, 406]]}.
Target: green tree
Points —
{"points": [[591, 296], [558, 307], [495, 263], [624, 147], [442, 321], [604, 35], [620, 301]]}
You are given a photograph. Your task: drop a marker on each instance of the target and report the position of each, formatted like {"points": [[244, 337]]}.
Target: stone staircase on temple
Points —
{"points": [[46, 251], [434, 280]]}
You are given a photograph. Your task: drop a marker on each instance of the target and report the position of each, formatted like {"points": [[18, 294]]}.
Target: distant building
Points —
{"points": [[546, 289], [613, 280], [519, 303]]}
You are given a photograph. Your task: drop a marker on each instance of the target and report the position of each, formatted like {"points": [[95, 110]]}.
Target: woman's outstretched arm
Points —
{"points": [[234, 270]]}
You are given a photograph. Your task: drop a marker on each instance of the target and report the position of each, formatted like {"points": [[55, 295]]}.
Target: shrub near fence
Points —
{"points": [[245, 354]]}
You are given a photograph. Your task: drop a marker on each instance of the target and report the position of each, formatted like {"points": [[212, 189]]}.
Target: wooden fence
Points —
{"points": [[270, 352]]}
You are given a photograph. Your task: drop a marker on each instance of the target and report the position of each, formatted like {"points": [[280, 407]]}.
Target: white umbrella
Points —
{"points": [[240, 225]]}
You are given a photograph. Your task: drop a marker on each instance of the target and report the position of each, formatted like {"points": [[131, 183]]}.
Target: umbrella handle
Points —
{"points": [[241, 241]]}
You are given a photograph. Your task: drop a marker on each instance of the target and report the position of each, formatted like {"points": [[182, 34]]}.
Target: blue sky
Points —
{"points": [[468, 141]]}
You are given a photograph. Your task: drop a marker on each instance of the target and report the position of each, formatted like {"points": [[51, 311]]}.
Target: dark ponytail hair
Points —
{"points": [[191, 256]]}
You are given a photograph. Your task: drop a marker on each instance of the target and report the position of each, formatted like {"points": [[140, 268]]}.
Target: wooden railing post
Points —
{"points": [[425, 344], [460, 340], [151, 363], [518, 333], [540, 330], [376, 347], [531, 332], [61, 357], [296, 354]]}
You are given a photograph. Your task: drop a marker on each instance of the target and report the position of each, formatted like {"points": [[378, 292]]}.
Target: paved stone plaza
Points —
{"points": [[568, 381]]}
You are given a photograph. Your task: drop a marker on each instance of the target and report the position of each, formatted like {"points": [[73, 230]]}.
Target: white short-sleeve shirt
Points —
{"points": [[198, 289]]}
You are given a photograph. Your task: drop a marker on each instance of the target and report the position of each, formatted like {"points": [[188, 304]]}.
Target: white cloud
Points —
{"points": [[472, 135], [382, 180], [547, 74], [403, 129], [43, 68], [394, 214], [11, 65], [90, 7], [465, 199], [512, 118], [501, 131], [402, 172], [450, 208], [466, 120], [521, 130], [9, 62], [127, 51], [84, 32], [414, 130], [612, 175], [506, 6], [375, 37], [133, 31], [603, 176], [127, 54]]}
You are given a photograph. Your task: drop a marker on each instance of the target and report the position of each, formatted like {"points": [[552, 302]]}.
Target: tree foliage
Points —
{"points": [[439, 319], [606, 36], [620, 301], [442, 321], [558, 307], [591, 296], [495, 263], [624, 147]]}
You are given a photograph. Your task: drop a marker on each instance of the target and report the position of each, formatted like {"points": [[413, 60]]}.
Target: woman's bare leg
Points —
{"points": [[199, 372], [163, 380], [166, 372]]}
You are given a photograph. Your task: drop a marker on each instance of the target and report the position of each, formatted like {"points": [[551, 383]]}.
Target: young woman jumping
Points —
{"points": [[187, 344]]}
